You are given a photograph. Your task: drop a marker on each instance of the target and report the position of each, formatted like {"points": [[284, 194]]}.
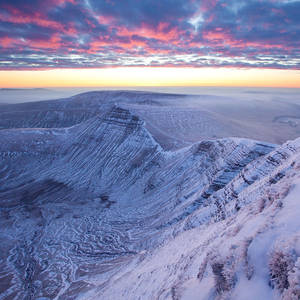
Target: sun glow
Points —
{"points": [[150, 76]]}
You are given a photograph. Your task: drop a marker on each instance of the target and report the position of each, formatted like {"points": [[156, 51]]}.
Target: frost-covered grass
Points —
{"points": [[253, 254]]}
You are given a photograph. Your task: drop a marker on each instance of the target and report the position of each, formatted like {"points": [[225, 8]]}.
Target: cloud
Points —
{"points": [[71, 33]]}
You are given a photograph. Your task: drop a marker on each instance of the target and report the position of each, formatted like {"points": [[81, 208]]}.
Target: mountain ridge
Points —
{"points": [[174, 120], [109, 200]]}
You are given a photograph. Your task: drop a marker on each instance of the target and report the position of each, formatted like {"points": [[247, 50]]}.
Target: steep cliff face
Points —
{"points": [[83, 206], [104, 148]]}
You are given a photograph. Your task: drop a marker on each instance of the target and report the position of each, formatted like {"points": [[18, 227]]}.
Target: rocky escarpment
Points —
{"points": [[82, 205], [78, 155]]}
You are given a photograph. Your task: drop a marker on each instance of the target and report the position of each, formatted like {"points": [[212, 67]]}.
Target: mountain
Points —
{"points": [[243, 244], [100, 210], [70, 111], [174, 120]]}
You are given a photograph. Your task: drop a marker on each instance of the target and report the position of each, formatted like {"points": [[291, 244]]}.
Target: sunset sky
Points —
{"points": [[48, 43]]}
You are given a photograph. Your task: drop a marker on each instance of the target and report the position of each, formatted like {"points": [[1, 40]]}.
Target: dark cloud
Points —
{"points": [[92, 33], [136, 12]]}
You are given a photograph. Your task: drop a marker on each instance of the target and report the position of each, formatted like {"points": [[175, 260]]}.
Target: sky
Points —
{"points": [[47, 43]]}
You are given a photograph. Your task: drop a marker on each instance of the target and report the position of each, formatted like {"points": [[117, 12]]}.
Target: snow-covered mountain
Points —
{"points": [[99, 210], [174, 120]]}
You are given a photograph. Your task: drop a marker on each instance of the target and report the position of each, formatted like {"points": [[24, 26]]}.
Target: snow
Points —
{"points": [[257, 288], [195, 291], [287, 224], [100, 210], [173, 267]]}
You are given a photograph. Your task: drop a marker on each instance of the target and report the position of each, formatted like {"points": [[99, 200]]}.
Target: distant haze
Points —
{"points": [[14, 95]]}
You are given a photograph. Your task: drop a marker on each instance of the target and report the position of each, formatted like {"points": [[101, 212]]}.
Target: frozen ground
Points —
{"points": [[100, 200]]}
